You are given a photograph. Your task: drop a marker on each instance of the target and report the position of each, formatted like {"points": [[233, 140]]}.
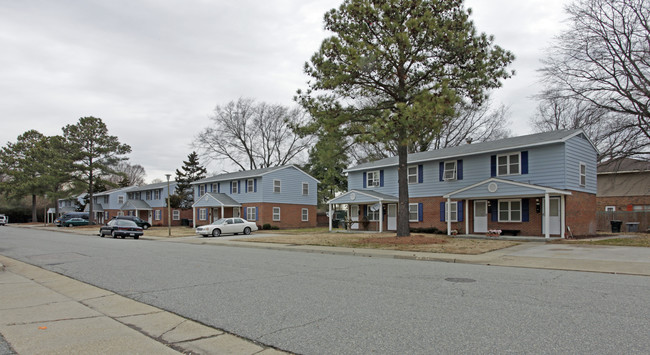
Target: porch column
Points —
{"points": [[381, 217], [562, 217], [466, 216], [447, 215], [193, 217], [330, 215], [222, 209], [348, 226], [547, 211]]}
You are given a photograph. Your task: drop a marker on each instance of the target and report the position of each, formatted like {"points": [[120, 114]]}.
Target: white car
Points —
{"points": [[227, 226], [3, 220]]}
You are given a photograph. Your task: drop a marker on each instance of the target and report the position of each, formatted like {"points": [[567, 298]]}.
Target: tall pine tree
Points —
{"points": [[192, 171], [394, 69]]}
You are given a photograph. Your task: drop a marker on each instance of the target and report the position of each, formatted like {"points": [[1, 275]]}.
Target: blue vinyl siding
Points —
{"points": [[291, 187], [578, 150]]}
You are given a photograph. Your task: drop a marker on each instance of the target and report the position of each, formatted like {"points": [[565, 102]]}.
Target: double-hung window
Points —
{"points": [[234, 186], [250, 185], [203, 214], [305, 215], [508, 164], [120, 199], [276, 213], [583, 174], [450, 170], [372, 179], [305, 188], [156, 194], [250, 213], [157, 215], [201, 190], [451, 212], [277, 186], [176, 215], [509, 210], [215, 187], [372, 215], [413, 174], [414, 215]]}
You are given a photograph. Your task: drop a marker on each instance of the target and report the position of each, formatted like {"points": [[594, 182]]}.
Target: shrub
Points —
{"points": [[275, 227], [266, 226]]}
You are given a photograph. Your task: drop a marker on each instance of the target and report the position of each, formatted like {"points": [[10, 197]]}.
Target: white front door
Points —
{"points": [[236, 211], [215, 214], [480, 217], [354, 216], [150, 217], [554, 222], [392, 217]]}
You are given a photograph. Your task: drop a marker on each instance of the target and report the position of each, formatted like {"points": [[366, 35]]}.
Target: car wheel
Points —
{"points": [[247, 230], [101, 234], [216, 232], [114, 234], [145, 227], [69, 225]]}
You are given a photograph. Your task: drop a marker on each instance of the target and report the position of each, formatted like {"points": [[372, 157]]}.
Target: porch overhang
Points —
{"points": [[212, 199], [495, 188], [135, 205], [362, 197]]}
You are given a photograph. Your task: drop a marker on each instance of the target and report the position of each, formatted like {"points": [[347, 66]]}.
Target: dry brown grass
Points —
{"points": [[431, 243], [638, 240]]}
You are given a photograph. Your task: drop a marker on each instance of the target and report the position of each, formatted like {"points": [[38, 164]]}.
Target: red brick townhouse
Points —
{"points": [[282, 196], [536, 185], [624, 185]]}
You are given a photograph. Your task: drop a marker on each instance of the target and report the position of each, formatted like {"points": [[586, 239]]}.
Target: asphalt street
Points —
{"points": [[334, 304]]}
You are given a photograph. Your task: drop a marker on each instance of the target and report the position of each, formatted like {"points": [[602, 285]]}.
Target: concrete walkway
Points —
{"points": [[42, 312]]}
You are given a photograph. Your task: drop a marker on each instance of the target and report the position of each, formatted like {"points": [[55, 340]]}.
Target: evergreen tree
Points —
{"points": [[96, 152], [394, 69], [192, 171], [327, 159]]}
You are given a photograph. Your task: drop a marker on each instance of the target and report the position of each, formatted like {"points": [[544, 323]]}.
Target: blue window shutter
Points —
{"points": [[459, 168], [238, 186], [230, 187], [460, 210], [493, 166], [524, 210], [524, 162], [420, 210], [365, 211], [256, 213], [420, 174], [381, 178], [442, 212], [255, 185], [494, 209], [219, 187], [442, 170], [245, 210], [364, 180]]}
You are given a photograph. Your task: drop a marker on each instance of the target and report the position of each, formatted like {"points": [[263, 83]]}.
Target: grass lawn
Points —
{"points": [[432, 243], [637, 240]]}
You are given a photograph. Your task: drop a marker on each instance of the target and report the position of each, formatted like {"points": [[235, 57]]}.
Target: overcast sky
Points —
{"points": [[153, 70]]}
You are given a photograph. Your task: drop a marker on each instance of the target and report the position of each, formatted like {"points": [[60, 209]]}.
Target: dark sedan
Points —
{"points": [[121, 228]]}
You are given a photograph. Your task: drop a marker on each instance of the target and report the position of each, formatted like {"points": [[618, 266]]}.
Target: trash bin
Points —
{"points": [[185, 222], [335, 223], [632, 227], [616, 226]]}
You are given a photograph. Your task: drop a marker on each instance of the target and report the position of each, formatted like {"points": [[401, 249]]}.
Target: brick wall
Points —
{"points": [[622, 203], [290, 215], [581, 213]]}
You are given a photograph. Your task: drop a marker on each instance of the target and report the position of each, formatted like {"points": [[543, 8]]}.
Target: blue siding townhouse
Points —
{"points": [[283, 196], [539, 184]]}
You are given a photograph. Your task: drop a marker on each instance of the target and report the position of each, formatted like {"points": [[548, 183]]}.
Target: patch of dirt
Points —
{"points": [[410, 240]]}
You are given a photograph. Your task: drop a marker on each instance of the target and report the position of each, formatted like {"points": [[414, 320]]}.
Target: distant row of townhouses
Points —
{"points": [[540, 184]]}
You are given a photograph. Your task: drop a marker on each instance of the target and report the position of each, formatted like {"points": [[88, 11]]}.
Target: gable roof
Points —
{"points": [[248, 174], [158, 185], [623, 165], [520, 142], [135, 205], [210, 199]]}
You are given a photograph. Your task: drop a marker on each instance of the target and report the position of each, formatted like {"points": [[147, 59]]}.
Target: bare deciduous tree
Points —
{"points": [[604, 59], [127, 175], [253, 135]]}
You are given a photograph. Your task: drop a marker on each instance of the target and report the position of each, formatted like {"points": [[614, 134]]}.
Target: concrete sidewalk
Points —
{"points": [[42, 312]]}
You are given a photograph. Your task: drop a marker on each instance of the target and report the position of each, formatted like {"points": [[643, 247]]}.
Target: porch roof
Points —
{"points": [[135, 205], [498, 188], [96, 208], [213, 199], [359, 196]]}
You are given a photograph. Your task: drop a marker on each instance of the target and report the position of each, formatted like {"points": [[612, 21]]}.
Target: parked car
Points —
{"points": [[75, 222], [227, 226], [3, 220], [121, 228], [139, 221], [67, 216]]}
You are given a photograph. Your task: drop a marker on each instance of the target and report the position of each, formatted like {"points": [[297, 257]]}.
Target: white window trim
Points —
{"points": [[610, 208], [510, 210], [201, 190], [375, 178], [215, 187], [120, 199], [250, 185], [305, 215], [176, 215], [417, 212], [157, 215], [203, 214], [371, 213], [278, 185], [454, 171], [508, 163], [276, 219], [581, 175], [303, 188], [234, 186], [448, 211], [250, 211], [417, 174]]}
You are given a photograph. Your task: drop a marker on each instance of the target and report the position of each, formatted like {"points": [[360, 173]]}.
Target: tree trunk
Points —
{"points": [[403, 229], [91, 216], [34, 214]]}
